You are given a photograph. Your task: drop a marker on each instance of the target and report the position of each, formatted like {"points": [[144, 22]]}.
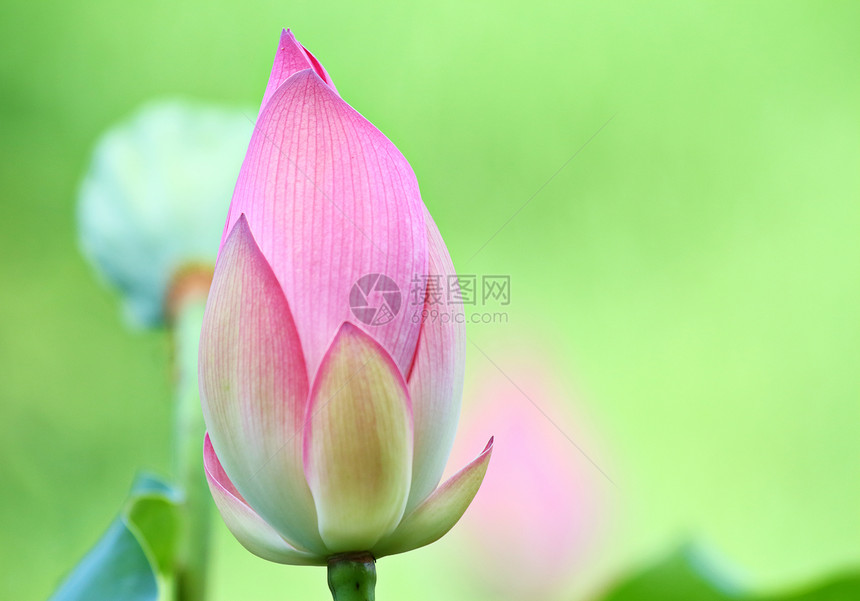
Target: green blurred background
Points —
{"points": [[693, 269]]}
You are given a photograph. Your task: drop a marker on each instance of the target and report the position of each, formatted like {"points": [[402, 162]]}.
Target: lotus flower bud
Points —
{"points": [[153, 200], [328, 428]]}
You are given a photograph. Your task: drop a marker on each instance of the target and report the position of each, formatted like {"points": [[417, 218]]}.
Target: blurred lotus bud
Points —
{"points": [[539, 515], [153, 201]]}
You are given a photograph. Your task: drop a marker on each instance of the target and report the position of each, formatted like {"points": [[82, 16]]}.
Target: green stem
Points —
{"points": [[352, 577], [192, 557]]}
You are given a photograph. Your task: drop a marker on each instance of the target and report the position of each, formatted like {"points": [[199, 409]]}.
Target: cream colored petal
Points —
{"points": [[249, 528], [254, 388], [358, 442]]}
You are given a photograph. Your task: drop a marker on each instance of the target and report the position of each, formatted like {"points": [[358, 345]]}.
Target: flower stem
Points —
{"points": [[352, 577], [185, 318]]}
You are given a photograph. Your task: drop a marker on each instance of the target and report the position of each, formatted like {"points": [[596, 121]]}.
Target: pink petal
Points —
{"points": [[330, 199], [248, 527], [436, 381], [439, 512], [253, 387], [358, 443], [291, 58]]}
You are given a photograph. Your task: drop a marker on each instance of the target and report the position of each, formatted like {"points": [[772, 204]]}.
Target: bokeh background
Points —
{"points": [[688, 279]]}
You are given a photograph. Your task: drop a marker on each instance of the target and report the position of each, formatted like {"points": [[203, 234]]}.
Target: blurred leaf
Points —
{"points": [[152, 510], [844, 588], [149, 484], [116, 568], [693, 574], [125, 562], [689, 574], [155, 520]]}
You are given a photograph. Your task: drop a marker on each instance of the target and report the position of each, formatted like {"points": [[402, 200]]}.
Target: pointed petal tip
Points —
{"points": [[240, 239], [350, 333], [290, 58], [287, 39], [240, 228], [349, 330], [288, 43], [242, 224]]}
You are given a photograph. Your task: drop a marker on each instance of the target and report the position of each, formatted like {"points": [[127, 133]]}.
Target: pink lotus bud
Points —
{"points": [[329, 422]]}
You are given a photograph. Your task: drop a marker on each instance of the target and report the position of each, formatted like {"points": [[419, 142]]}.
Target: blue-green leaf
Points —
{"points": [[139, 544], [116, 568], [155, 521]]}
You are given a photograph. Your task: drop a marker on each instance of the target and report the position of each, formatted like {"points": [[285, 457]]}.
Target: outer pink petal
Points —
{"points": [[438, 513], [436, 381], [254, 388], [330, 199], [358, 443], [249, 528], [291, 58]]}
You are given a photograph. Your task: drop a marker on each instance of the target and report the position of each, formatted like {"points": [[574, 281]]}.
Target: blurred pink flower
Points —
{"points": [[541, 510], [328, 432]]}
